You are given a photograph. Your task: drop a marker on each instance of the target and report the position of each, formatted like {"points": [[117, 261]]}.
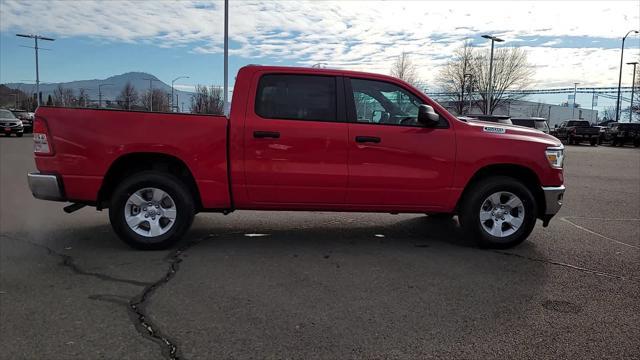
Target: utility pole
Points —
{"points": [[173, 81], [100, 94], [633, 86], [490, 85], [226, 55], [35, 38], [575, 90], [620, 75]]}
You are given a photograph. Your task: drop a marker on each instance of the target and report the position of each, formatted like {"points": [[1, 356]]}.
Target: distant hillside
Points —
{"points": [[108, 92]]}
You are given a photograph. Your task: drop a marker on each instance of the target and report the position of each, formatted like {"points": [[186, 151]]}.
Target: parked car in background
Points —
{"points": [[577, 131], [532, 122], [26, 118], [299, 139], [10, 124], [620, 134]]}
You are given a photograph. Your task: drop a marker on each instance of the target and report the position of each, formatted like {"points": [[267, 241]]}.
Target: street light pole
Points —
{"points": [[620, 75], [35, 38], [100, 94], [633, 86], [226, 55], [490, 85], [173, 81], [575, 90]]}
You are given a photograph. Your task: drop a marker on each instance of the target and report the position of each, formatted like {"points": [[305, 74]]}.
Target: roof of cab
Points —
{"points": [[325, 71]]}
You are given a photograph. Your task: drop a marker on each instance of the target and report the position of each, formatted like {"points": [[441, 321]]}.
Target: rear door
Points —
{"points": [[296, 140], [394, 162]]}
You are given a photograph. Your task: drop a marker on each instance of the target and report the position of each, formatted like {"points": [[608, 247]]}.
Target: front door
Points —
{"points": [[296, 140], [394, 162]]}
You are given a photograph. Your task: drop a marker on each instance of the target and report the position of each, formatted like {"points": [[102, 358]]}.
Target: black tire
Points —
{"points": [[19, 134], [570, 140], [469, 212], [182, 198], [593, 142]]}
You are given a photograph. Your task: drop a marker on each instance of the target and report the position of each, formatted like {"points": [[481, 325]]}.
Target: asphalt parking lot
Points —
{"points": [[325, 285]]}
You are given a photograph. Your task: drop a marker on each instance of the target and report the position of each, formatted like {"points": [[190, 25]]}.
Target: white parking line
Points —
{"points": [[565, 219]]}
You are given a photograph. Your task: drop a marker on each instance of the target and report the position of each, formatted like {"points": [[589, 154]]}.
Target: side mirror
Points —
{"points": [[427, 116]]}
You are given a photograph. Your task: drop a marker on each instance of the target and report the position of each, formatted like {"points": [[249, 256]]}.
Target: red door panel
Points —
{"points": [[306, 164], [410, 167], [295, 140]]}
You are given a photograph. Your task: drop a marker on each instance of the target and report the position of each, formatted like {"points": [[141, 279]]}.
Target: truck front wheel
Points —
{"points": [[498, 212], [151, 210]]}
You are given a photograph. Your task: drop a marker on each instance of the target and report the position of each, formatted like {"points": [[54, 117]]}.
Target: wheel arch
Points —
{"points": [[131, 163], [521, 173]]}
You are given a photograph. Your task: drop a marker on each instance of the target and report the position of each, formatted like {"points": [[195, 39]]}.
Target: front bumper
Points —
{"points": [[553, 196], [45, 187], [12, 129]]}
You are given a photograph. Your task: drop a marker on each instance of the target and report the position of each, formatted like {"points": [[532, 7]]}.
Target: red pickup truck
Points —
{"points": [[299, 139]]}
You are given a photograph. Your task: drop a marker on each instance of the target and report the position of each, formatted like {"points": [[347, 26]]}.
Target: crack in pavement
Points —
{"points": [[566, 219], [69, 262], [574, 267], [138, 304]]}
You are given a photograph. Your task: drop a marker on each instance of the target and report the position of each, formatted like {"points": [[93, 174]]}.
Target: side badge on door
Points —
{"points": [[495, 130]]}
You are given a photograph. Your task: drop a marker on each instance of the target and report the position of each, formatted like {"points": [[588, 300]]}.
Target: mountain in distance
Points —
{"points": [[110, 92]]}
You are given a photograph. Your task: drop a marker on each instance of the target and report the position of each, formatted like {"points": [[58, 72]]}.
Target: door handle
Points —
{"points": [[266, 134], [366, 139]]}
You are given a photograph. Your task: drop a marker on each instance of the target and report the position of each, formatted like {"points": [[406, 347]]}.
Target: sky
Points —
{"points": [[567, 41]]}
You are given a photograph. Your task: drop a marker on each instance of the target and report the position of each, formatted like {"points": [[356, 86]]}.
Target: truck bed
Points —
{"points": [[87, 142]]}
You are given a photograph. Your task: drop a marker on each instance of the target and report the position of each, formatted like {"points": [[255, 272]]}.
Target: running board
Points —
{"points": [[73, 207]]}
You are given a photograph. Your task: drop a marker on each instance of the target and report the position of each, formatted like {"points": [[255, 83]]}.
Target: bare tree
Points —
{"points": [[511, 71], [404, 69], [156, 100], [609, 113], [456, 77], [63, 97], [83, 97], [128, 97], [207, 100]]}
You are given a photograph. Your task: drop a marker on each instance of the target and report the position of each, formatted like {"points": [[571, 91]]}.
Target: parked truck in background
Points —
{"points": [[299, 139], [576, 131]]}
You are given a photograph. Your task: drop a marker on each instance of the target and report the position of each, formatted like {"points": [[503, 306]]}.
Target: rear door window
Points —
{"points": [[297, 97]]}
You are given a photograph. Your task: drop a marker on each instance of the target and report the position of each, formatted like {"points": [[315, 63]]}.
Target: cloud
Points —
{"points": [[361, 35]]}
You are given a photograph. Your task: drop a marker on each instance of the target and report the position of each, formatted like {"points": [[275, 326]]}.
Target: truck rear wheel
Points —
{"points": [[151, 210], [498, 212]]}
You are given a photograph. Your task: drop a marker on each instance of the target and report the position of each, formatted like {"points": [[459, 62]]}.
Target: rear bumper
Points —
{"points": [[46, 187]]}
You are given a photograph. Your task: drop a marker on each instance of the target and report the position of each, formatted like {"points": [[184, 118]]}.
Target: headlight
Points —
{"points": [[555, 156]]}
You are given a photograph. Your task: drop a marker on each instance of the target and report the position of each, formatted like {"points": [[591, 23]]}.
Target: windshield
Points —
{"points": [[6, 114], [579, 123]]}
